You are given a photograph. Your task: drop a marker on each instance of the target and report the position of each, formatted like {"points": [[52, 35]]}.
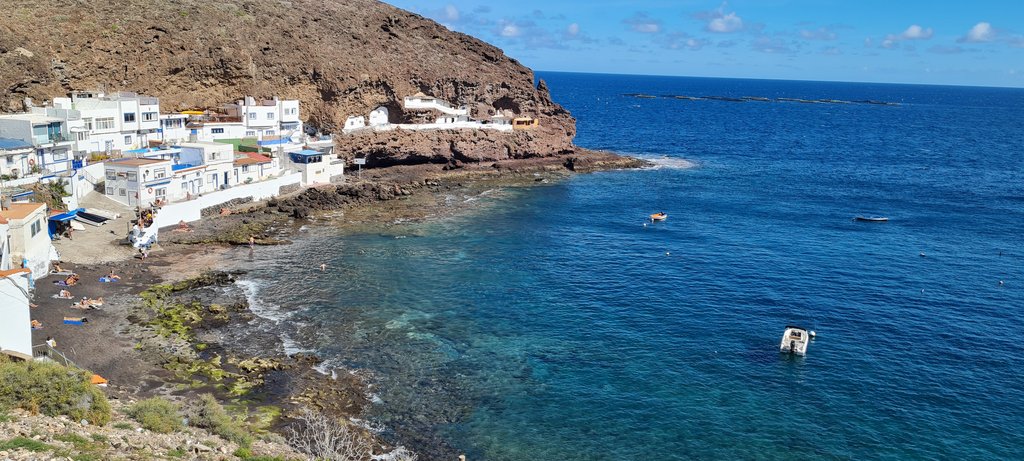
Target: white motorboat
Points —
{"points": [[795, 340]]}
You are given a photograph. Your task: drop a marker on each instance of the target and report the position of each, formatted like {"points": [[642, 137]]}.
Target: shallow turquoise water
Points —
{"points": [[555, 325]]}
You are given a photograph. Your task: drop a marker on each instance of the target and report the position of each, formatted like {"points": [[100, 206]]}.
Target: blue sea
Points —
{"points": [[552, 323]]}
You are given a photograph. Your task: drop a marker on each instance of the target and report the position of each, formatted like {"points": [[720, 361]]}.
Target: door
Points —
{"points": [[225, 178]]}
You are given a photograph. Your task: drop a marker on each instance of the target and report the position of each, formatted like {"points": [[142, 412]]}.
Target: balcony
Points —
{"points": [[51, 139]]}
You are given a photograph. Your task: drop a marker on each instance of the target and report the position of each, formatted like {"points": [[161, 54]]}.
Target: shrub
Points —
{"points": [[25, 444], [323, 437], [123, 425], [52, 389], [157, 414], [209, 414]]}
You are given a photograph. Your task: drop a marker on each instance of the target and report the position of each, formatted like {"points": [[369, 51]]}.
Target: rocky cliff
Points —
{"points": [[339, 57]]}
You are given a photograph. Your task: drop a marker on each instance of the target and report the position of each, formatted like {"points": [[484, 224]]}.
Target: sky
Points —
{"points": [[948, 42]]}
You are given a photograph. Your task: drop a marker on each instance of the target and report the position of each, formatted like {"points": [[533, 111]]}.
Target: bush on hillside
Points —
{"points": [[209, 414], [52, 389], [157, 414]]}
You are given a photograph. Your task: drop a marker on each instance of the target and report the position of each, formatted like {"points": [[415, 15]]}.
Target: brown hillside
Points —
{"points": [[340, 57]]}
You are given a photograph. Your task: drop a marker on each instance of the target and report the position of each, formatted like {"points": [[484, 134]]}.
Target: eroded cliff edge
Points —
{"points": [[339, 57]]}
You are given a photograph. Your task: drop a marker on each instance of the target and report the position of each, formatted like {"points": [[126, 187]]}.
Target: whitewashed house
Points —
{"points": [[317, 167], [174, 128], [115, 122], [29, 241], [380, 116], [15, 316], [252, 167], [267, 118], [138, 181], [14, 156], [218, 158], [50, 137]]}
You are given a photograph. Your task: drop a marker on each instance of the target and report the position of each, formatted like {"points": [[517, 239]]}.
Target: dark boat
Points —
{"points": [[871, 218]]}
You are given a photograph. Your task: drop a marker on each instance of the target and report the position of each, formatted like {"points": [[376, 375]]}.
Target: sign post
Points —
{"points": [[359, 162]]}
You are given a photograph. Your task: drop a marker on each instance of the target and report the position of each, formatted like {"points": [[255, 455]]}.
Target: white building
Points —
{"points": [[14, 157], [218, 158], [316, 167], [15, 327], [252, 167], [174, 128], [50, 137], [29, 241], [114, 122], [433, 113], [138, 181], [267, 118]]}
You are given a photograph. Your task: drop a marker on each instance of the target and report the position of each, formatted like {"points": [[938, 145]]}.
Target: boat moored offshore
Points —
{"points": [[795, 340]]}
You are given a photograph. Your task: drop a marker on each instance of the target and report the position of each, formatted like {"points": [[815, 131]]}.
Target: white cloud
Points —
{"points": [[719, 21], [451, 13], [641, 22], [510, 30], [981, 32], [916, 32], [573, 29], [726, 24], [821, 33]]}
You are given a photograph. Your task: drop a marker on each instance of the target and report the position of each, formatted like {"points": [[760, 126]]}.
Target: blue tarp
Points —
{"points": [[181, 166], [63, 217]]}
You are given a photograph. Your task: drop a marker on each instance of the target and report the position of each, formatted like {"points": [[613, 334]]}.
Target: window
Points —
{"points": [[127, 140], [250, 133], [88, 123], [149, 116], [270, 115], [83, 136], [269, 132], [10, 160], [160, 173], [161, 192], [60, 156], [184, 186], [36, 227], [106, 123], [110, 191], [122, 192], [111, 175], [213, 178], [133, 176], [217, 130], [245, 168], [129, 117], [252, 115]]}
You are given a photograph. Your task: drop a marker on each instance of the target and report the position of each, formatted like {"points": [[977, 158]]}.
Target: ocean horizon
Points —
{"points": [[558, 322]]}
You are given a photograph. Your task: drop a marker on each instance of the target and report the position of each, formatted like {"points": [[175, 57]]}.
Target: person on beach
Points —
{"points": [[64, 294], [113, 276], [252, 242], [51, 342], [57, 268]]}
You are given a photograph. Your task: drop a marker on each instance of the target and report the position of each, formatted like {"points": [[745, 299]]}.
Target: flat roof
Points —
{"points": [[32, 118], [308, 152], [137, 161], [21, 210], [10, 144]]}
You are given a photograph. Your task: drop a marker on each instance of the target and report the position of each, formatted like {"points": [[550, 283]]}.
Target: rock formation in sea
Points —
{"points": [[339, 57]]}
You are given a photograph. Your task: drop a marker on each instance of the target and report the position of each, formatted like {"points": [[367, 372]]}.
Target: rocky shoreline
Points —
{"points": [[179, 326]]}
